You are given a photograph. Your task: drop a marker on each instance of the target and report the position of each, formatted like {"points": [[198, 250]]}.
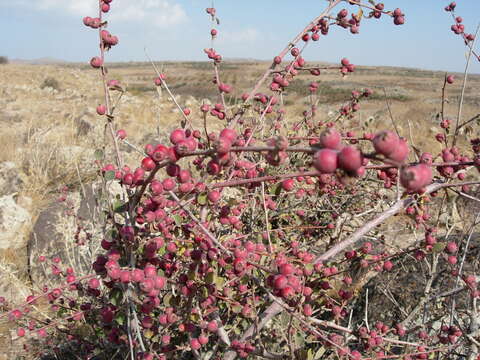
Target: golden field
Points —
{"points": [[50, 129]]}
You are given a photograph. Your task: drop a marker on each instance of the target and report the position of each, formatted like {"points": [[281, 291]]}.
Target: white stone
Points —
{"points": [[14, 220]]}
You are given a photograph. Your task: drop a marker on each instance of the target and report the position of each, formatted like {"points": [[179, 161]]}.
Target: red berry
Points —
{"points": [[397, 12], [203, 340], [350, 159], [195, 344], [280, 282], [229, 134], [148, 164], [288, 184], [387, 265], [212, 326], [96, 62], [176, 136], [121, 134], [399, 20], [400, 154], [385, 142], [415, 178], [286, 269], [214, 196], [101, 109], [451, 247], [330, 139], [325, 161]]}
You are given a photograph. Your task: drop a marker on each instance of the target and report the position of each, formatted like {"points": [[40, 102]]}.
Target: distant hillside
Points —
{"points": [[39, 61]]}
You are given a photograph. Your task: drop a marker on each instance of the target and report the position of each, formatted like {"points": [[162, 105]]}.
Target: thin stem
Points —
{"points": [[464, 85]]}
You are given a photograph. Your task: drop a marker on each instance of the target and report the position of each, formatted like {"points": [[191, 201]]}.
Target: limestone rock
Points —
{"points": [[14, 221], [10, 178], [65, 230]]}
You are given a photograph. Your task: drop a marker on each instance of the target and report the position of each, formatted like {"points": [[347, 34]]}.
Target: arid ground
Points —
{"points": [[50, 129]]}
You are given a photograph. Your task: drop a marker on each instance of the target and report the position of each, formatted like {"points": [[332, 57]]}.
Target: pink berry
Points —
{"points": [[330, 139], [451, 247], [195, 344], [287, 269], [87, 20], [399, 20], [385, 142], [169, 184], [148, 164], [214, 196], [212, 326], [452, 260], [101, 109], [397, 12], [450, 79], [280, 282], [121, 134], [415, 178], [400, 154], [176, 136], [96, 62], [350, 159], [326, 161], [387, 265], [229, 134], [203, 340], [288, 184]]}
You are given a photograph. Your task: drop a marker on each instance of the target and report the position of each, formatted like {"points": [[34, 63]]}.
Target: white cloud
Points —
{"points": [[80, 8], [247, 35], [159, 13]]}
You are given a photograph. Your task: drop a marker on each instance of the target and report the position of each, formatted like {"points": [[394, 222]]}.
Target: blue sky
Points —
{"points": [[179, 30]]}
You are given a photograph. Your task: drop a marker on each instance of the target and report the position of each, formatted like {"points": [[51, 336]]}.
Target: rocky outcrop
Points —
{"points": [[14, 223], [64, 229], [10, 178]]}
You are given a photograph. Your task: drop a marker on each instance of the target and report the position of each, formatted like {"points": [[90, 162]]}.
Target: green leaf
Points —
{"points": [[109, 175], [310, 355], [120, 318], [116, 296], [111, 234], [299, 340], [98, 154], [202, 199], [177, 219], [119, 206], [219, 282], [237, 309], [210, 278], [439, 247], [167, 299], [275, 189], [319, 353]]}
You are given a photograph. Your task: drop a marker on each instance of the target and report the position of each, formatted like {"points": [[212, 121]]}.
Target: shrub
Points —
{"points": [[3, 60], [248, 240], [50, 82]]}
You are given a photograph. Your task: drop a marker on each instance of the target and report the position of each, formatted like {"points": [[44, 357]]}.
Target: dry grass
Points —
{"points": [[52, 134]]}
